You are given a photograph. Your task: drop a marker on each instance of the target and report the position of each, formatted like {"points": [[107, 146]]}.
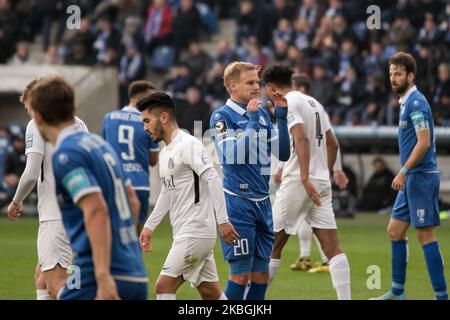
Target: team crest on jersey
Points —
{"points": [[220, 128], [171, 163], [416, 103], [28, 141], [63, 158], [204, 157], [262, 121], [216, 116]]}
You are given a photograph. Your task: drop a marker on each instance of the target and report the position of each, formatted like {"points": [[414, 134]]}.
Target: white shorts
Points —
{"points": [[193, 259], [292, 205], [53, 246]]}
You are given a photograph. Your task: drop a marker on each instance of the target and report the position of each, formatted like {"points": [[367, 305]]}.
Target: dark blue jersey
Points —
{"points": [[124, 130], [84, 163], [415, 115]]}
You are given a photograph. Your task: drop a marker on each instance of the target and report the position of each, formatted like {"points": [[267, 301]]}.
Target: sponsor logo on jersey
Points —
{"points": [[204, 157], [168, 183]]}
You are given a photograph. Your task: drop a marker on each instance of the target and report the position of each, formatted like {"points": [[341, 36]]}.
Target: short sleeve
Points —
{"points": [[419, 115], [73, 173], [294, 115], [33, 140], [195, 156]]}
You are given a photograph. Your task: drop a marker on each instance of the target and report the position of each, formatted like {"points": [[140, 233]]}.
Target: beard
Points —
{"points": [[159, 134], [401, 88]]}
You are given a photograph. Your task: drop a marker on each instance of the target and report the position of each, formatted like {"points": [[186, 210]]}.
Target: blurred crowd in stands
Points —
{"points": [[171, 39], [326, 39]]}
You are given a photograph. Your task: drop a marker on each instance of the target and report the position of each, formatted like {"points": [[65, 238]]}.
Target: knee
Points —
{"points": [[241, 279], [53, 290], [39, 280], [395, 233]]}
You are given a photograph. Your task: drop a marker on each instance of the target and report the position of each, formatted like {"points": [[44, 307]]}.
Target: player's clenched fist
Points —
{"points": [[14, 211], [145, 240]]}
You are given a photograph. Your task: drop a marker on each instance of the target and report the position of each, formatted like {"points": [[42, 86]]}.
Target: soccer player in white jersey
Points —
{"points": [[305, 192], [54, 251], [302, 83], [191, 192]]}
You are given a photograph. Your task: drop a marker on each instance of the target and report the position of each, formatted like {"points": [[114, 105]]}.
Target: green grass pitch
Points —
{"points": [[364, 239]]}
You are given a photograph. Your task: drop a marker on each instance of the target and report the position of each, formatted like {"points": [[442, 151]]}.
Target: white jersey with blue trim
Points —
{"points": [[34, 143]]}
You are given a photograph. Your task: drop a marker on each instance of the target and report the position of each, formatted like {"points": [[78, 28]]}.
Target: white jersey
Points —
{"points": [[181, 164], [34, 142], [304, 109]]}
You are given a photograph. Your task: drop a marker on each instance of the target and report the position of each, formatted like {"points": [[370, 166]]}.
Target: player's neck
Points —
{"points": [[170, 133], [238, 100], [54, 132], [407, 90]]}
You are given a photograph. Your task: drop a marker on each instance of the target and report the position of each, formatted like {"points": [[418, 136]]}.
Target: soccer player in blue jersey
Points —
{"points": [[93, 200], [244, 140], [124, 130], [417, 181]]}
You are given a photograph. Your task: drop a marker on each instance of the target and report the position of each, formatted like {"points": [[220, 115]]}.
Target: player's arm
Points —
{"points": [[226, 229], [422, 127], [134, 202], [301, 143], [162, 206], [280, 112], [227, 144], [98, 229], [153, 153], [340, 178], [332, 149], [26, 183]]}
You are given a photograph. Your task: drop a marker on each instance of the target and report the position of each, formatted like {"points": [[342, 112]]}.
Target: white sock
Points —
{"points": [[42, 294], [322, 254], [166, 296], [340, 276], [247, 289], [304, 239], [274, 264], [223, 296]]}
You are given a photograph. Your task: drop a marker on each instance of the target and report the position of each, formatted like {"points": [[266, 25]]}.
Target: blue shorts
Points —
{"points": [[144, 199], [253, 222], [418, 202], [127, 291]]}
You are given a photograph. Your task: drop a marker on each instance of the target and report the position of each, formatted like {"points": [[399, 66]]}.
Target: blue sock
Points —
{"points": [[257, 291], [399, 260], [234, 291], [435, 266]]}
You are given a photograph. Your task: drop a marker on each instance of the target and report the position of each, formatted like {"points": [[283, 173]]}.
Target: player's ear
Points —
{"points": [[36, 116], [410, 77]]}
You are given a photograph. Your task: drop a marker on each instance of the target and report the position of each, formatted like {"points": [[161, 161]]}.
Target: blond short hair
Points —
{"points": [[233, 71]]}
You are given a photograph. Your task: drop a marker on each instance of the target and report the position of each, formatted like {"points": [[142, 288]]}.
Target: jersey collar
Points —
{"points": [[130, 109], [405, 97], [236, 107], [66, 132]]}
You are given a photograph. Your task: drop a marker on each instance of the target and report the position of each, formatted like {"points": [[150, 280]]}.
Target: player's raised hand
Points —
{"points": [[229, 235], [253, 105], [106, 288], [341, 179], [14, 211], [145, 240], [312, 193], [279, 100]]}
